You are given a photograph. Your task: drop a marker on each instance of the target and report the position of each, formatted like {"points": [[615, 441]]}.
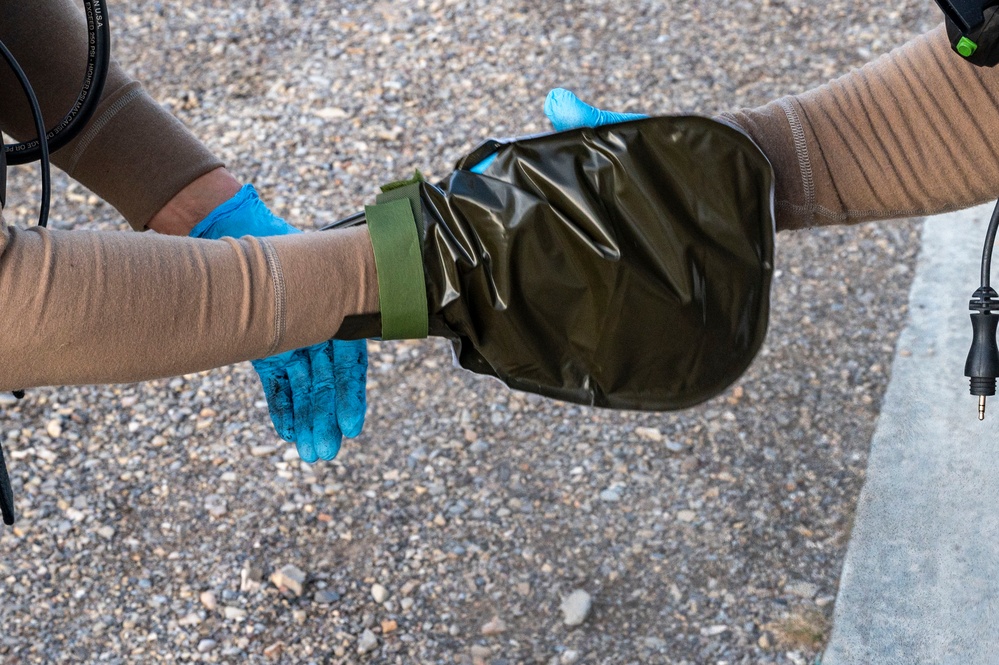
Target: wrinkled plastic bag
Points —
{"points": [[624, 266]]}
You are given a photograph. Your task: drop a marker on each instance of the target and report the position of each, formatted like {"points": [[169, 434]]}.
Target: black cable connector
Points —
{"points": [[982, 366]]}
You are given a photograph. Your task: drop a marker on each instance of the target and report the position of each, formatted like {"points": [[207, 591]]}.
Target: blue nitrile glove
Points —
{"points": [[566, 111], [315, 395]]}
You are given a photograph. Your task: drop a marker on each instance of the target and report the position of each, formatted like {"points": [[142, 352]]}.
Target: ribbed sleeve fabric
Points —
{"points": [[133, 153], [912, 133]]}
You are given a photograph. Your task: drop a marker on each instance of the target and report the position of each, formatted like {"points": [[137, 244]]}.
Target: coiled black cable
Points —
{"points": [[46, 141], [98, 59]]}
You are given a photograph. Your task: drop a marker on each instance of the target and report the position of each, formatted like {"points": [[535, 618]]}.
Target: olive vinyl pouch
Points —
{"points": [[624, 266]]}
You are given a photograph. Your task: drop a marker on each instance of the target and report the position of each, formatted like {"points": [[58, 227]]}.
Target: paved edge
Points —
{"points": [[920, 582]]}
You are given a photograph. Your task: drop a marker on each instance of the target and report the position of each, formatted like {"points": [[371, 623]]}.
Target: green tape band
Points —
{"points": [[406, 190], [402, 293]]}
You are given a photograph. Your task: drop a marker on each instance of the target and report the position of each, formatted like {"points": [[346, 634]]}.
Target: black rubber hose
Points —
{"points": [[98, 60], [990, 241], [6, 494], [36, 114]]}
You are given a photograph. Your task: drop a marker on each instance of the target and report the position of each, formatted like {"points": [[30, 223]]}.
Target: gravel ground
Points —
{"points": [[457, 528]]}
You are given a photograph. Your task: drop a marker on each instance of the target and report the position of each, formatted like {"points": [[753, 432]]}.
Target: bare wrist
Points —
{"points": [[193, 203]]}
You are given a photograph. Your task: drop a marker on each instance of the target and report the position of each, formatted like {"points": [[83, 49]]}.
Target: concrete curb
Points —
{"points": [[920, 582]]}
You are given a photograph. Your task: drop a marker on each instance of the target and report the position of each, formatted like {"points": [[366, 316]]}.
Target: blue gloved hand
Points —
{"points": [[566, 111], [315, 395]]}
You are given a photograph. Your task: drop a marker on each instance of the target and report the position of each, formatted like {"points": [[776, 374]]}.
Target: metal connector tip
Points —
{"points": [[981, 407]]}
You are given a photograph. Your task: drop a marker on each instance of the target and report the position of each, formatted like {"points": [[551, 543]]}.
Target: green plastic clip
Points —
{"points": [[966, 47]]}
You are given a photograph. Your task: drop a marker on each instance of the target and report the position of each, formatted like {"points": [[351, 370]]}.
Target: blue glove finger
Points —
{"points": [[566, 111], [300, 377], [277, 391], [350, 373], [325, 430]]}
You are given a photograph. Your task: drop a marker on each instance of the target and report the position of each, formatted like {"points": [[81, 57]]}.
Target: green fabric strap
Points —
{"points": [[402, 293], [409, 190]]}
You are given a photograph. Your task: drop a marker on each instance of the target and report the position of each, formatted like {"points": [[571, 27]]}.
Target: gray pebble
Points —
{"points": [[250, 578], [326, 597], [367, 642], [216, 505], [208, 600], [379, 593], [674, 446], [289, 577], [610, 495], [576, 607], [495, 626], [234, 613]]}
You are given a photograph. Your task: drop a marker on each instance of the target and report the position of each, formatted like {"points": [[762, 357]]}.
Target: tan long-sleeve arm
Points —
{"points": [[915, 132], [71, 310]]}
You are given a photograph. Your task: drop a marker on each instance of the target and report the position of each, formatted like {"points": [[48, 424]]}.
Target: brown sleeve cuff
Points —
{"points": [[135, 155], [776, 129]]}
